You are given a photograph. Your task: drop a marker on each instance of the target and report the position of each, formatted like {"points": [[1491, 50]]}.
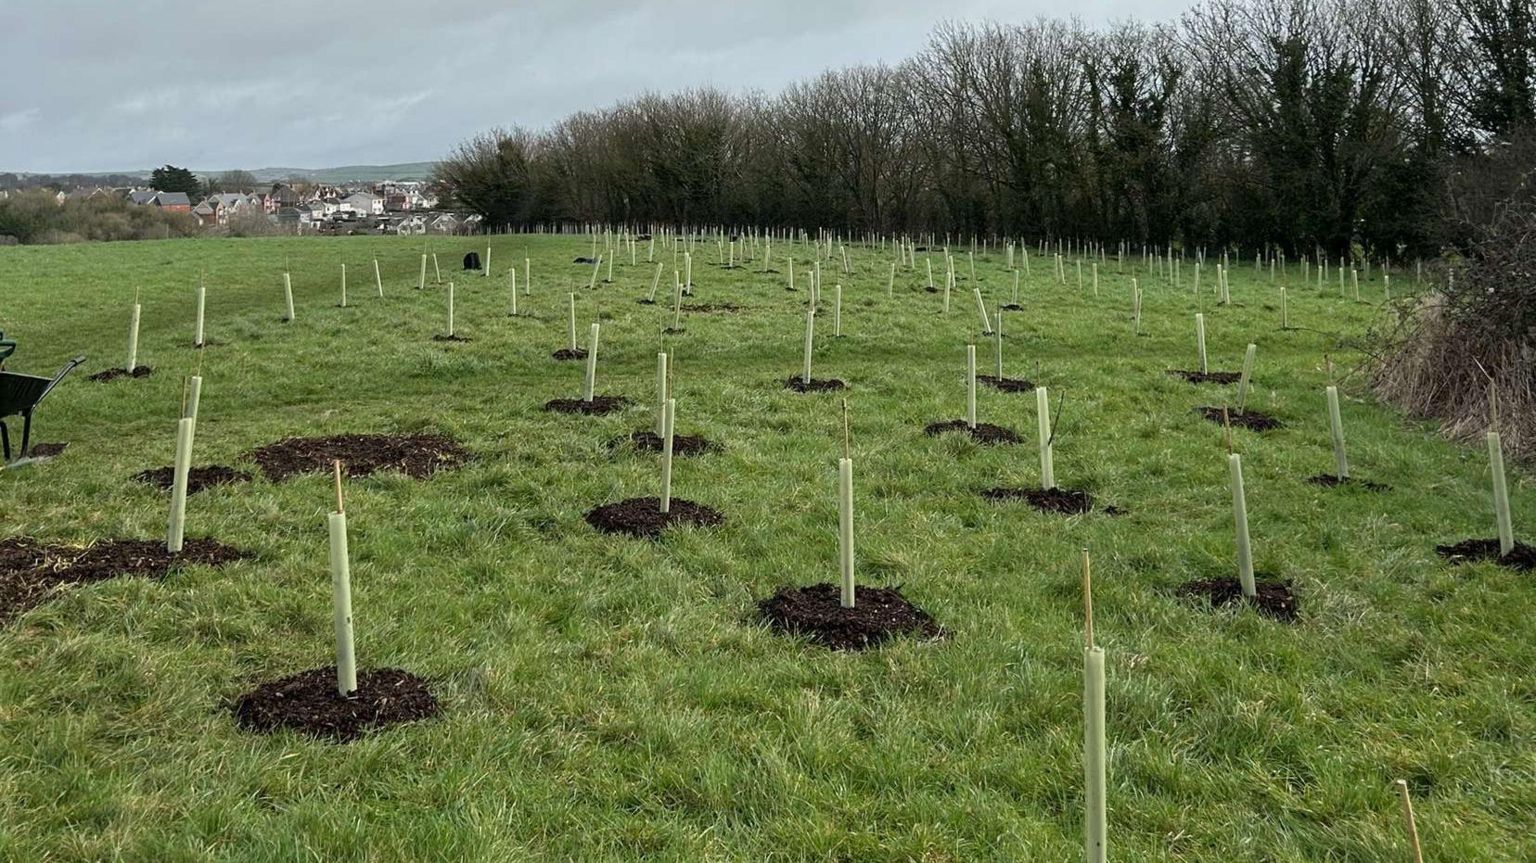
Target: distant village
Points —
{"points": [[403, 207]]}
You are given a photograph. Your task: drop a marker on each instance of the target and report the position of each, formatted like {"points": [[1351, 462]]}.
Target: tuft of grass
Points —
{"points": [[608, 699]]}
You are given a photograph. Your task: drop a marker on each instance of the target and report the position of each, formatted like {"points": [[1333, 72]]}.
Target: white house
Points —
{"points": [[364, 203]]}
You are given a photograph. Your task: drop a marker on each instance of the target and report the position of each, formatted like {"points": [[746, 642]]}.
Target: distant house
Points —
{"points": [[411, 226], [172, 202], [447, 223], [364, 203], [218, 209]]}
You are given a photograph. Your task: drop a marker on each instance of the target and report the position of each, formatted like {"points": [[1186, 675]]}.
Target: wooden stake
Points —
{"points": [[1409, 823]]}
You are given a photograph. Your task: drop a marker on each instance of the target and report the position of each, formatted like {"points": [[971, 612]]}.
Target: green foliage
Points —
{"points": [[37, 216], [169, 178]]}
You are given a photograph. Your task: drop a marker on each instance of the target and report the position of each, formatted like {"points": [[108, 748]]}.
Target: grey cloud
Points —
{"points": [[114, 85]]}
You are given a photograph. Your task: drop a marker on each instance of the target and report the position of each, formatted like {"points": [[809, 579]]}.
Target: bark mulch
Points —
{"points": [[1249, 419], [642, 516], [1007, 385], [30, 571], [1275, 598], [1328, 480], [597, 407], [816, 385], [1521, 558], [415, 455], [647, 441], [114, 374], [1060, 500], [816, 613], [308, 703], [983, 433], [198, 478], [1195, 377]]}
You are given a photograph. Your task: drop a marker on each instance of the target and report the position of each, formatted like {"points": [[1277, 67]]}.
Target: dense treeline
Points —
{"points": [[1302, 125]]}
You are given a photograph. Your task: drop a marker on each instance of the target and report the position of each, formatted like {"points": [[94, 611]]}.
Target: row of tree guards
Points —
{"points": [[1095, 747]]}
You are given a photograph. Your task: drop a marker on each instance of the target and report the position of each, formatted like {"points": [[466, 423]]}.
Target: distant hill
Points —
{"points": [[346, 174]]}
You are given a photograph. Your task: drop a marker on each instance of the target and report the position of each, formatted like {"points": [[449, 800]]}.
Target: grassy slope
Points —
{"points": [[606, 699]]}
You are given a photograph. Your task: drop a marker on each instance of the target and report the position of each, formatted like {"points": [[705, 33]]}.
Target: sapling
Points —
{"points": [[202, 306], [437, 273], [890, 283], [421, 281], [1095, 784], [1015, 287], [133, 335], [485, 267], [597, 266], [970, 386], [176, 529], [527, 276], [677, 304], [1047, 463], [1285, 318], [845, 516], [341, 595], [1200, 342], [609, 278], [1135, 307], [591, 382], [571, 321], [1095, 279], [1500, 485], [378, 280], [655, 283], [981, 312], [929, 262], [287, 297], [837, 311], [662, 390], [343, 285], [1240, 515], [1336, 428], [997, 337], [810, 338], [669, 419], [1242, 381]]}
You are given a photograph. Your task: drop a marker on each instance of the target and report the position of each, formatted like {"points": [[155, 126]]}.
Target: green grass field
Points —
{"points": [[612, 699]]}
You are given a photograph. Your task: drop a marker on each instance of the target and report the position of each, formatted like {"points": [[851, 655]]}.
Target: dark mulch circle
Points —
{"points": [[597, 407], [308, 703], [1248, 419], [30, 571], [816, 613], [1522, 557], [443, 337], [682, 444], [415, 455], [642, 516], [1275, 598], [1207, 377], [1063, 500], [570, 354], [198, 478], [930, 289], [1012, 307], [584, 260], [207, 343], [708, 307], [1007, 385], [983, 433], [1328, 480], [114, 374], [47, 450], [645, 302], [674, 331], [816, 385]]}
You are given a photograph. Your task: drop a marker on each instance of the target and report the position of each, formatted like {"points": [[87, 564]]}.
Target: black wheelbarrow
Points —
{"points": [[20, 395]]}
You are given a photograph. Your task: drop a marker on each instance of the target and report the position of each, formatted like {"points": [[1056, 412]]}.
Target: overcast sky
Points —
{"points": [[104, 85]]}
